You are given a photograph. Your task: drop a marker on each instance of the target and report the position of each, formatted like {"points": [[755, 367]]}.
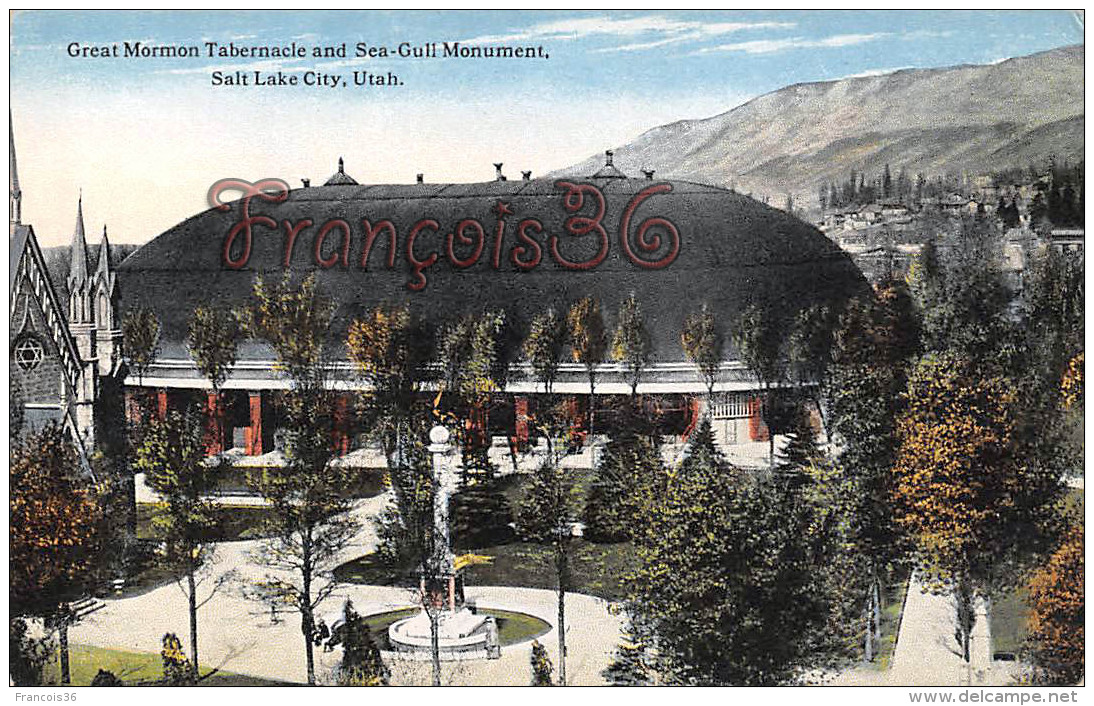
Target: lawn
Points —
{"points": [[233, 522], [134, 668], [891, 615], [596, 569], [513, 628]]}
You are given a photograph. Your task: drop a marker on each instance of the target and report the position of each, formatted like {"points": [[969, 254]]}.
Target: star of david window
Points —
{"points": [[28, 354]]}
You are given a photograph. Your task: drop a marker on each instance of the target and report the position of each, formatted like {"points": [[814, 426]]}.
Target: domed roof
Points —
{"points": [[731, 251]]}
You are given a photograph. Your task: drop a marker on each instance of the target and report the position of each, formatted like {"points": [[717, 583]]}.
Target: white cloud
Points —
{"points": [[660, 31], [769, 46]]}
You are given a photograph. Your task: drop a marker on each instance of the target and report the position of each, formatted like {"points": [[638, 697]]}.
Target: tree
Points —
{"points": [[140, 340], [733, 582], [27, 656], [172, 457], [362, 664], [799, 455], [473, 359], [391, 349], [177, 670], [588, 344], [545, 345], [873, 349], [405, 528], [547, 514], [213, 342], [635, 662], [1057, 614], [1054, 315], [309, 509], [758, 337], [627, 474], [631, 342], [703, 344], [541, 665], [975, 504], [57, 532], [106, 678], [809, 351]]}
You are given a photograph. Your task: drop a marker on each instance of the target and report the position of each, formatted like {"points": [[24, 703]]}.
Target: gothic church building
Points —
{"points": [[63, 342]]}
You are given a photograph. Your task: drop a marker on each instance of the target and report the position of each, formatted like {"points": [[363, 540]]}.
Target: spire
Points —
{"points": [[77, 271], [104, 255], [15, 194]]}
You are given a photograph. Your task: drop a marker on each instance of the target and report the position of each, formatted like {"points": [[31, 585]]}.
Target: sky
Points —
{"points": [[142, 139]]}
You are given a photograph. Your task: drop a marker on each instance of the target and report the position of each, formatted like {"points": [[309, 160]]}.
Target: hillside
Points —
{"points": [[963, 118]]}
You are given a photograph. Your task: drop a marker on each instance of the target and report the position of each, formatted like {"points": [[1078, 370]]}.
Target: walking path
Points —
{"points": [[236, 633], [927, 653]]}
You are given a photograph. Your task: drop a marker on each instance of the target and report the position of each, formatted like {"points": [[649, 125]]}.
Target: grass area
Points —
{"points": [[233, 522], [513, 628], [596, 569], [1009, 614], [893, 602], [134, 668]]}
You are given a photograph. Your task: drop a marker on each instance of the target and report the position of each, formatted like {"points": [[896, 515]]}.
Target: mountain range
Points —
{"points": [[961, 119]]}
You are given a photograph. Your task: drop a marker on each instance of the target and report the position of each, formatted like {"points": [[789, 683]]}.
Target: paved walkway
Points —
{"points": [[927, 653], [236, 633]]}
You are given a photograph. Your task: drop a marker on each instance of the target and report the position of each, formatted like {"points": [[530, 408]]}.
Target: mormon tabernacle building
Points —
{"points": [[445, 250]]}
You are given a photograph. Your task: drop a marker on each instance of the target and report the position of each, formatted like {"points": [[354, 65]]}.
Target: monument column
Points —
{"points": [[443, 485]]}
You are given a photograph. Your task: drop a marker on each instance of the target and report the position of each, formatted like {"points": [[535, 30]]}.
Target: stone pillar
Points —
{"points": [[161, 403], [443, 484], [254, 446], [757, 430], [214, 433], [520, 410]]}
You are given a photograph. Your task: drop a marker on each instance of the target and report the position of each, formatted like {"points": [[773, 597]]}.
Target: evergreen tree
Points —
{"points": [[541, 665], [473, 354], [176, 668], [875, 344], [799, 456], [27, 656], [734, 583], [634, 662], [362, 664], [629, 472]]}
